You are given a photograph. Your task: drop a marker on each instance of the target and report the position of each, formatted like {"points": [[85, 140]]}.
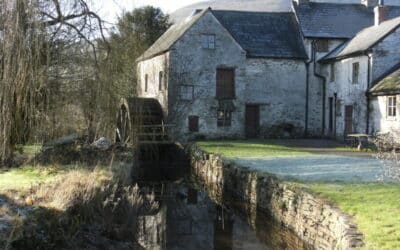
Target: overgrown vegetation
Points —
{"points": [[72, 206]]}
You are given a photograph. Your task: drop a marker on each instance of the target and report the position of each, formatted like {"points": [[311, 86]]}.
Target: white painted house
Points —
{"points": [[303, 72]]}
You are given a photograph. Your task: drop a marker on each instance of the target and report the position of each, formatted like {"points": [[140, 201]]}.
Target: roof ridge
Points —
{"points": [[248, 11]]}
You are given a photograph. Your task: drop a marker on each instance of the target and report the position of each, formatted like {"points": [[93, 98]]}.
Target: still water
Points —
{"points": [[189, 219]]}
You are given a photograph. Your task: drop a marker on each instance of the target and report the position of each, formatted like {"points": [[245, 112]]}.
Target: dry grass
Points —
{"points": [[101, 197]]}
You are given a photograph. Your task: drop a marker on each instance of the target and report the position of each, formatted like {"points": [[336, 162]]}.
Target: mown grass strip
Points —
{"points": [[376, 207]]}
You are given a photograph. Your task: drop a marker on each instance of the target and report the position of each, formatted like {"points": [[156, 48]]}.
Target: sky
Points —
{"points": [[111, 9]]}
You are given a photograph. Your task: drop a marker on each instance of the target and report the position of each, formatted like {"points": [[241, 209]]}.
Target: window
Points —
{"points": [[391, 106], [224, 118], [160, 80], [355, 72], [186, 92], [208, 41], [193, 123], [322, 46], [225, 83], [332, 72], [146, 82]]}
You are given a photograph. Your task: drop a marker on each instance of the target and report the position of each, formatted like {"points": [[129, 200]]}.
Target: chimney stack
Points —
{"points": [[370, 3], [380, 13], [302, 2]]}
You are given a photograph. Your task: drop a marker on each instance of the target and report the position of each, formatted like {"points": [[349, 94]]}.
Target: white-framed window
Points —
{"points": [[391, 106], [332, 72], [186, 92], [355, 72], [208, 41]]}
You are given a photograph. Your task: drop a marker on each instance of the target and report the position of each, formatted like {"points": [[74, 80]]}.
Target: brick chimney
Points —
{"points": [[370, 3], [380, 13]]}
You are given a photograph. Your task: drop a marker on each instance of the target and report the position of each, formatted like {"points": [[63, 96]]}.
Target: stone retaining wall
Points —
{"points": [[311, 218]]}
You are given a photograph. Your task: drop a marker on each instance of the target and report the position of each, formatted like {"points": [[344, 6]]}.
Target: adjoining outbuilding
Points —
{"points": [[385, 96]]}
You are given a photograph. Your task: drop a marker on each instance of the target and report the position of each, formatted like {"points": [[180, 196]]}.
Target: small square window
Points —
{"points": [[208, 41], [193, 123], [186, 92], [322, 46], [355, 72], [391, 106], [224, 118]]}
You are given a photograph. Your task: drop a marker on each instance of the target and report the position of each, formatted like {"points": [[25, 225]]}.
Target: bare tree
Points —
{"points": [[30, 29]]}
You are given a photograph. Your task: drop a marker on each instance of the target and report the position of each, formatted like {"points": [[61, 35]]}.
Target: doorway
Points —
{"points": [[348, 120], [252, 120]]}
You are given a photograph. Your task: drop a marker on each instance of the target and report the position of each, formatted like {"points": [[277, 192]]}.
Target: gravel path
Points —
{"points": [[318, 167]]}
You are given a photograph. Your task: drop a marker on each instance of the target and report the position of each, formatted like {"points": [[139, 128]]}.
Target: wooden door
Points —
{"points": [[330, 124], [252, 120], [348, 119]]}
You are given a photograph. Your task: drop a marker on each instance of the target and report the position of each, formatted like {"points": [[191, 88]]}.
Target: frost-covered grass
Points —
{"points": [[375, 206], [250, 149]]}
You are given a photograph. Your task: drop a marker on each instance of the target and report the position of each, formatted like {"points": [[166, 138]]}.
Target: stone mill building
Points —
{"points": [[322, 68]]}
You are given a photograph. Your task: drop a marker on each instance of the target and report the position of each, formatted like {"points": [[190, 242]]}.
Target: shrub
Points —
{"points": [[387, 145]]}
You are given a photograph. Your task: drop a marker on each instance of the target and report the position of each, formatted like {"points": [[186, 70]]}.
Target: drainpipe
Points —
{"points": [[307, 96], [323, 85], [367, 93], [335, 114]]}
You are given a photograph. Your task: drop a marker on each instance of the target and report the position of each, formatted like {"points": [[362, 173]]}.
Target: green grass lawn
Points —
{"points": [[26, 176], [375, 206], [250, 149]]}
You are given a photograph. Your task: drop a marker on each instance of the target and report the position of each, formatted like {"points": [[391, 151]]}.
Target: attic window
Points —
{"points": [[355, 72], [322, 46], [208, 41]]}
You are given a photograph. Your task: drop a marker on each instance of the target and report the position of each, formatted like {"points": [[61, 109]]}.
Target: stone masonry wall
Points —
{"points": [[311, 218]]}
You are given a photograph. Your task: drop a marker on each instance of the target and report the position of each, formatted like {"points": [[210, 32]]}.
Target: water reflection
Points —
{"points": [[189, 219]]}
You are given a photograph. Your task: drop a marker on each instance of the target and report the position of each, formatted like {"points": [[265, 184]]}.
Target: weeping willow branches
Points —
{"points": [[29, 31]]}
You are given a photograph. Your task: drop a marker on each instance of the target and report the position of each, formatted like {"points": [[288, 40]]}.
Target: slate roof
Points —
{"points": [[263, 34], [238, 5], [389, 83], [260, 34], [332, 20], [364, 40], [165, 42], [393, 12]]}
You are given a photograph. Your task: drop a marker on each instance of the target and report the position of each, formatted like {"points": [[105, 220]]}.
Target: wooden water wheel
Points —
{"points": [[136, 116]]}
